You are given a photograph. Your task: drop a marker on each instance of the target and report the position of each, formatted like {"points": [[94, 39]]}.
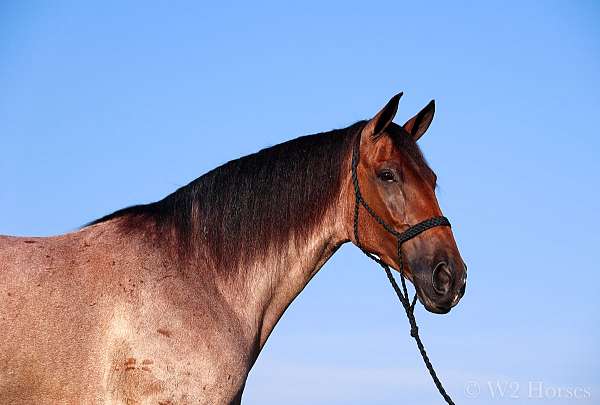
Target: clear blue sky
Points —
{"points": [[109, 104]]}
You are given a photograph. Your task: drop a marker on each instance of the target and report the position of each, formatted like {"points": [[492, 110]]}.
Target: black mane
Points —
{"points": [[247, 204]]}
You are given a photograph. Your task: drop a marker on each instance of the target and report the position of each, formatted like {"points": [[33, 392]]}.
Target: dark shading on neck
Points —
{"points": [[236, 211]]}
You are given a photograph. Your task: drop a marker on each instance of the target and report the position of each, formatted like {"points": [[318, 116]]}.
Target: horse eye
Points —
{"points": [[387, 176]]}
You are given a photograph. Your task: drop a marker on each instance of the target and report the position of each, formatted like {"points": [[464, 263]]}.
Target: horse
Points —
{"points": [[171, 302]]}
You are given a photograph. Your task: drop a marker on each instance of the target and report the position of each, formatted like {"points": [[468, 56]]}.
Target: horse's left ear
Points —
{"points": [[417, 125], [382, 119]]}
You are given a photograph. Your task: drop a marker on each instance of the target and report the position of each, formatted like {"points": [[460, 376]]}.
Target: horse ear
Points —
{"points": [[417, 125], [380, 122]]}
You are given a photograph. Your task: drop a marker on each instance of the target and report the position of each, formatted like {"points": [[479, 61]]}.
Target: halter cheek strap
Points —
{"points": [[401, 237]]}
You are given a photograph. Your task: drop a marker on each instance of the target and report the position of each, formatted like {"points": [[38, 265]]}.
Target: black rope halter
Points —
{"points": [[401, 237]]}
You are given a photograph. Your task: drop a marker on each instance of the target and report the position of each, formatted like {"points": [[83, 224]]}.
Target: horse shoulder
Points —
{"points": [[93, 317]]}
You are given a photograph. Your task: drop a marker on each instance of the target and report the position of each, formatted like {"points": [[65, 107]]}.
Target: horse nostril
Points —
{"points": [[441, 278]]}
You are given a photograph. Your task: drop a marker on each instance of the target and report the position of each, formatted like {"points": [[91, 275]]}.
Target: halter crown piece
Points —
{"points": [[401, 237]]}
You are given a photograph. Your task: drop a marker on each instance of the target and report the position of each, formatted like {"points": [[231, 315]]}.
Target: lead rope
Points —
{"points": [[411, 232]]}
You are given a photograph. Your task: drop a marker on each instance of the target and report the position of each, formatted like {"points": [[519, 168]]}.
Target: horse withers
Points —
{"points": [[171, 302]]}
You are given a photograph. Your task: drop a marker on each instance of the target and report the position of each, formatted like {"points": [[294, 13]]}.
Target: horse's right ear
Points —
{"points": [[382, 119]]}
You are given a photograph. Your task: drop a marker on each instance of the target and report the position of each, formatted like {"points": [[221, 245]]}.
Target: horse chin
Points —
{"points": [[430, 306], [439, 311]]}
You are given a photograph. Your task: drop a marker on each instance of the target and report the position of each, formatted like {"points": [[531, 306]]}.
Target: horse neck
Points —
{"points": [[262, 291]]}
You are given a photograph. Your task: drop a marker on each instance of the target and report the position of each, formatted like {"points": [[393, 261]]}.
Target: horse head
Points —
{"points": [[399, 189]]}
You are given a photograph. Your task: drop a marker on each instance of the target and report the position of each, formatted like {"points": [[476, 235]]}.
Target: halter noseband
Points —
{"points": [[401, 237]]}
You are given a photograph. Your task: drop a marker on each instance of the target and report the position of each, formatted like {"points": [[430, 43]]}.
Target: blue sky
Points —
{"points": [[109, 104]]}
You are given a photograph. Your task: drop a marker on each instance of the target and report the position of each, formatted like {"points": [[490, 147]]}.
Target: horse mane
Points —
{"points": [[243, 207]]}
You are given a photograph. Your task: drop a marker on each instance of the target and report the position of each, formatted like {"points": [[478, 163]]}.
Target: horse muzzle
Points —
{"points": [[444, 290]]}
